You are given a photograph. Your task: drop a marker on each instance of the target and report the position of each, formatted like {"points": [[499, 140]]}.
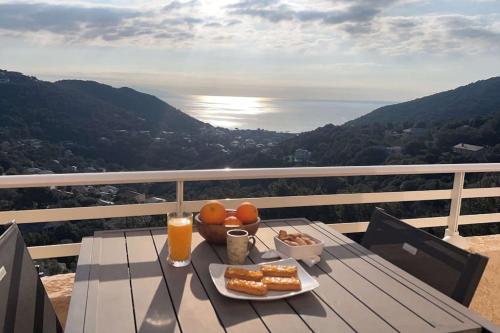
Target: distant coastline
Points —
{"points": [[293, 115]]}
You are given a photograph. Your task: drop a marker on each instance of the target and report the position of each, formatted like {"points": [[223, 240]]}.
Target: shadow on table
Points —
{"points": [[231, 312], [157, 318], [342, 252], [114, 272]]}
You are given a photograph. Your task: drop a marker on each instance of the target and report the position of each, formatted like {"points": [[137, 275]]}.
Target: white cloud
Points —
{"points": [[94, 24], [295, 26], [431, 34]]}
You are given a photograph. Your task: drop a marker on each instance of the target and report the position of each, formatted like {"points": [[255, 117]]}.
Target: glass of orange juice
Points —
{"points": [[180, 230]]}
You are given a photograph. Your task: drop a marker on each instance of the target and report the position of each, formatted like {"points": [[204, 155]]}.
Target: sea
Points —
{"points": [[277, 114]]}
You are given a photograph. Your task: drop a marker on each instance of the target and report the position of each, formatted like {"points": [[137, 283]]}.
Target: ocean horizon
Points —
{"points": [[277, 114]]}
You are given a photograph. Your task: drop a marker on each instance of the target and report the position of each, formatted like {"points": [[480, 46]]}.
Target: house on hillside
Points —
{"points": [[105, 202], [155, 200], [80, 189], [302, 155], [395, 150], [415, 132], [249, 143], [34, 143], [469, 150], [129, 195], [31, 171], [109, 189]]}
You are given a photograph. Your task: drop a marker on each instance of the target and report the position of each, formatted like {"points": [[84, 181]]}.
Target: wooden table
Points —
{"points": [[124, 284]]}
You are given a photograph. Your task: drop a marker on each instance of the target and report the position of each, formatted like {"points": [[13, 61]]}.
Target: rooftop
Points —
{"points": [[466, 146]]}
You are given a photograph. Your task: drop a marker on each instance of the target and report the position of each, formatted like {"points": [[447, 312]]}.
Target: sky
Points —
{"points": [[345, 50]]}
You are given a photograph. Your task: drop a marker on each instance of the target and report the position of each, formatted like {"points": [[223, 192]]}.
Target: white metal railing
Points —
{"points": [[454, 194]]}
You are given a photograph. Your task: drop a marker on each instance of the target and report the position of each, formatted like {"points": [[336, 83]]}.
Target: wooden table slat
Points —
{"points": [[124, 284], [235, 315], [338, 298], [93, 292], [153, 309], [76, 312], [435, 314], [408, 280], [374, 297], [191, 302], [114, 300], [278, 315], [334, 300]]}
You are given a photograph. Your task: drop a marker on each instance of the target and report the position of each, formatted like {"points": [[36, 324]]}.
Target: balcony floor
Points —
{"points": [[486, 300], [59, 288]]}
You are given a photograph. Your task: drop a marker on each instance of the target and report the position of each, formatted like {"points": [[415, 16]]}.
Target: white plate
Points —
{"points": [[217, 274]]}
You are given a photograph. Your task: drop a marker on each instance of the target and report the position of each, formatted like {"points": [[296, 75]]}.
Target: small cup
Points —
{"points": [[239, 244]]}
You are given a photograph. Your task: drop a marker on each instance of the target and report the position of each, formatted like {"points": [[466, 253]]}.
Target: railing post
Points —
{"points": [[180, 196], [451, 234]]}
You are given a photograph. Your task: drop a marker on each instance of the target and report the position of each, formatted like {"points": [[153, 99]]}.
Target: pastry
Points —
{"points": [[281, 283], [242, 273], [279, 270], [247, 287]]}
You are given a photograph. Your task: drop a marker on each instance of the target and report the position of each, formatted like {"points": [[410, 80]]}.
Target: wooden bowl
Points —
{"points": [[216, 233]]}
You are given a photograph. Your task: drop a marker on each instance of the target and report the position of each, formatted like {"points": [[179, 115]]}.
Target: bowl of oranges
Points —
{"points": [[214, 220]]}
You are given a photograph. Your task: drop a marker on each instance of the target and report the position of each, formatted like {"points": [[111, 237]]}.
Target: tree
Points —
{"points": [[414, 148]]}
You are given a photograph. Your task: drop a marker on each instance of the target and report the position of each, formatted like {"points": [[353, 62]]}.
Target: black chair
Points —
{"points": [[445, 267], [24, 304]]}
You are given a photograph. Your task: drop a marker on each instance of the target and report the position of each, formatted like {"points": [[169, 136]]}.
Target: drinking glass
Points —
{"points": [[180, 230]]}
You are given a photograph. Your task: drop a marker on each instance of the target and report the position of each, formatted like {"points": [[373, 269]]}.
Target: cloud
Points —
{"points": [[470, 28], [59, 18], [431, 34], [175, 5], [292, 26], [252, 4], [364, 26], [352, 11], [213, 25], [232, 22], [182, 20], [86, 23]]}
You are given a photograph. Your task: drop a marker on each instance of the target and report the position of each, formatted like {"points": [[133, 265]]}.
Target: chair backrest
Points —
{"points": [[447, 268], [24, 304]]}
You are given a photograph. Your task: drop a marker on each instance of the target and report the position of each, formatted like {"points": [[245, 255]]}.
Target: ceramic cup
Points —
{"points": [[239, 244]]}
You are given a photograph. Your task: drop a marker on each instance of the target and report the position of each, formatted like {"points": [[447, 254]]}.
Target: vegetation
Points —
{"points": [[76, 126], [473, 100]]}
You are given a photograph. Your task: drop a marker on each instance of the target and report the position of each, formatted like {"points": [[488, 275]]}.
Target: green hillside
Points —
{"points": [[82, 111], [476, 99]]}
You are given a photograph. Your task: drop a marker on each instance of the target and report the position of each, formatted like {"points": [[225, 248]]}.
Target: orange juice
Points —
{"points": [[180, 230]]}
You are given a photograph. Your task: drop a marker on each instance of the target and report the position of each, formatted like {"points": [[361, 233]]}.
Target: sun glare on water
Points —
{"points": [[229, 111]]}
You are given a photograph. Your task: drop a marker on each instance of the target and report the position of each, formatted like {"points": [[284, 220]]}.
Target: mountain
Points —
{"points": [[156, 113], [82, 110], [82, 126], [71, 125], [476, 99]]}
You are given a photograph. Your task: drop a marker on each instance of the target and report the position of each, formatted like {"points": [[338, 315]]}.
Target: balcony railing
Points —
{"points": [[452, 221]]}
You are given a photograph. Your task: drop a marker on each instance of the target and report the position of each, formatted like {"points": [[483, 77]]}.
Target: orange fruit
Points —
{"points": [[213, 212], [232, 220], [247, 213]]}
